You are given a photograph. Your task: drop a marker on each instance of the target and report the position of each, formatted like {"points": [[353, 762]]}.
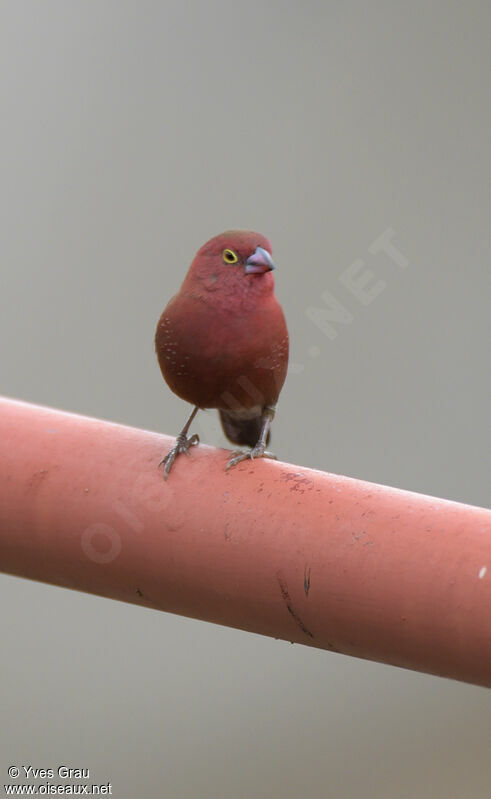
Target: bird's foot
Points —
{"points": [[182, 445], [256, 452]]}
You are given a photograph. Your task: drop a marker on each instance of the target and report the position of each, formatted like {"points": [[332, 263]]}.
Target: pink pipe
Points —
{"points": [[276, 549]]}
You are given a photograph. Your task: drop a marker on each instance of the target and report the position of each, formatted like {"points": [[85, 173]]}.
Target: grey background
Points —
{"points": [[132, 132]]}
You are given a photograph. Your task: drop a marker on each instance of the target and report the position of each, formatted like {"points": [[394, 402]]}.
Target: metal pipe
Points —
{"points": [[281, 550]]}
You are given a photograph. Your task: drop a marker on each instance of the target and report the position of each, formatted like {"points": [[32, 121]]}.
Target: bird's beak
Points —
{"points": [[259, 261]]}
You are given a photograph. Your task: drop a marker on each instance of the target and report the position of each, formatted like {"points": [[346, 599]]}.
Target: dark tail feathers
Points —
{"points": [[244, 432]]}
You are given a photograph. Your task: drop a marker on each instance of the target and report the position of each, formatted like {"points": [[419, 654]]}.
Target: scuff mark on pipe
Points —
{"points": [[288, 602], [306, 580]]}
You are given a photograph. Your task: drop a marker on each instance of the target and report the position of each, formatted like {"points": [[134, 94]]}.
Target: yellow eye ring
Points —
{"points": [[229, 257]]}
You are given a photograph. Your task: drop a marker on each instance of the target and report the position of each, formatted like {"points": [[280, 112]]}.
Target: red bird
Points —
{"points": [[222, 342]]}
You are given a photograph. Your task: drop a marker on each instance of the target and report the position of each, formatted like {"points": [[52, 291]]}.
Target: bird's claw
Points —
{"points": [[182, 445], [255, 452]]}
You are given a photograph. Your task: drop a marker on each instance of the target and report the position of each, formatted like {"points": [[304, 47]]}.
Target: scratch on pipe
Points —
{"points": [[306, 580], [288, 602]]}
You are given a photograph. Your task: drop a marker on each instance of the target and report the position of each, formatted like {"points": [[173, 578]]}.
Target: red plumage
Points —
{"points": [[222, 341]]}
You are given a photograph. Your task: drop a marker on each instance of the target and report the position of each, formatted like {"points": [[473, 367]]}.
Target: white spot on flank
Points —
{"points": [[482, 572]]}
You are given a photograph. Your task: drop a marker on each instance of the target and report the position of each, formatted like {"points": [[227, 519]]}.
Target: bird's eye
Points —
{"points": [[230, 257]]}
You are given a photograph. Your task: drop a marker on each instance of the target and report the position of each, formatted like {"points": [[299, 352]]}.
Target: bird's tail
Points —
{"points": [[242, 431]]}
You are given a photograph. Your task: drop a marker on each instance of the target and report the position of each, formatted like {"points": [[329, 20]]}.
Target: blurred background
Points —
{"points": [[131, 133]]}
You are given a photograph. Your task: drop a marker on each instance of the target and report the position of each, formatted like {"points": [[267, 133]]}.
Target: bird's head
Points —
{"points": [[235, 264]]}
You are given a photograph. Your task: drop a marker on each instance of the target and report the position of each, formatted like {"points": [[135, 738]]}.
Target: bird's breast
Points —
{"points": [[218, 359]]}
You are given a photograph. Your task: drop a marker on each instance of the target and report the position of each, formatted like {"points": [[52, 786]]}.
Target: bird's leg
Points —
{"points": [[259, 451], [182, 445]]}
